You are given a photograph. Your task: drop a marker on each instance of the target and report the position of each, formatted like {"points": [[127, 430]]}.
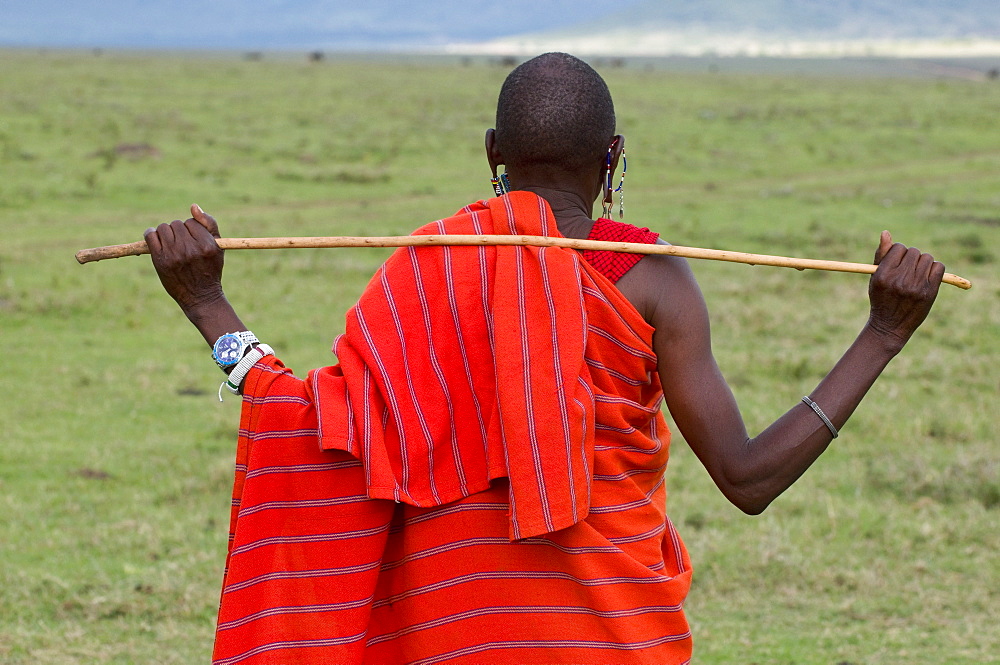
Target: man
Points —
{"points": [[480, 478]]}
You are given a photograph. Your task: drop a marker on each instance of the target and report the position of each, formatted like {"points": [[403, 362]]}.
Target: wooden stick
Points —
{"points": [[137, 248]]}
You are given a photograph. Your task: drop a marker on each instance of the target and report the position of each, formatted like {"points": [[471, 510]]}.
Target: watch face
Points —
{"points": [[228, 350]]}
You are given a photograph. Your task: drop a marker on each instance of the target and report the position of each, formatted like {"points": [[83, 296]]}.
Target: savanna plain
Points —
{"points": [[116, 456]]}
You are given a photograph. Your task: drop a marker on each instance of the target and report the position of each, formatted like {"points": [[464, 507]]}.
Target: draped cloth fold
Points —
{"points": [[479, 478]]}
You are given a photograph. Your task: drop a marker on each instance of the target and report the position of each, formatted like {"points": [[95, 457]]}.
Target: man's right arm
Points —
{"points": [[189, 264]]}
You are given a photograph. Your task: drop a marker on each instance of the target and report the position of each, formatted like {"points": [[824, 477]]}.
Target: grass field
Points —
{"points": [[116, 458]]}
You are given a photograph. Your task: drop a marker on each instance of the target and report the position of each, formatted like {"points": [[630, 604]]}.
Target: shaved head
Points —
{"points": [[554, 111]]}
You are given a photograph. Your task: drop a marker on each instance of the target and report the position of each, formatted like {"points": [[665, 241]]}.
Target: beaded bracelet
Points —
{"points": [[819, 412], [232, 384]]}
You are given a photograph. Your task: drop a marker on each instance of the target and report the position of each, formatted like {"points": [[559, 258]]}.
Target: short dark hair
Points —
{"points": [[554, 110]]}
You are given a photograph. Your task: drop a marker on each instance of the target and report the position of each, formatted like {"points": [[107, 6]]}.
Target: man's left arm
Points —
{"points": [[751, 472]]}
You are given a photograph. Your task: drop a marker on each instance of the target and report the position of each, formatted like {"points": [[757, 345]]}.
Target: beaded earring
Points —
{"points": [[501, 183], [620, 189]]}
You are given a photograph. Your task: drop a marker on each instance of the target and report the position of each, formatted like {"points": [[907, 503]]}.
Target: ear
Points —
{"points": [[616, 150], [492, 152]]}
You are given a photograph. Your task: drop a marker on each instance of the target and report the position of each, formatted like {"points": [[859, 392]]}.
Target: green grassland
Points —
{"points": [[116, 457]]}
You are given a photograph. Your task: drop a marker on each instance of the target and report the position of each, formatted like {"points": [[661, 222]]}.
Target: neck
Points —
{"points": [[570, 208]]}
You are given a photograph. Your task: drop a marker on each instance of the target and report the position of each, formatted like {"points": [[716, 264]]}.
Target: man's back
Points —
{"points": [[564, 553]]}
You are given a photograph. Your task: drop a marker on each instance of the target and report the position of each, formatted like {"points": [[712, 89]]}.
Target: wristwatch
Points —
{"points": [[231, 347]]}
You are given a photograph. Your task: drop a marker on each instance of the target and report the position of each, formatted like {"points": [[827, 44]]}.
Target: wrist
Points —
{"points": [[886, 341], [213, 317], [205, 307]]}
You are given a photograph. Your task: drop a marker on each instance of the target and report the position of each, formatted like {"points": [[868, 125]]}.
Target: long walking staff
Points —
{"points": [[137, 248]]}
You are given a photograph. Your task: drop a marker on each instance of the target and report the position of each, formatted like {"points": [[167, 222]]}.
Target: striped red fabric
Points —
{"points": [[614, 265], [480, 478]]}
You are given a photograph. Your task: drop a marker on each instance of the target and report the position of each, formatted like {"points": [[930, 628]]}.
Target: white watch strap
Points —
{"points": [[232, 384]]}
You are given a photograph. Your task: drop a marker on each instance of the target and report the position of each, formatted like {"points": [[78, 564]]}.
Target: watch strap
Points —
{"points": [[235, 380]]}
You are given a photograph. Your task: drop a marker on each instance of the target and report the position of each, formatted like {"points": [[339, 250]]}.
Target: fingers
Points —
{"points": [[180, 241], [909, 269], [161, 238], [892, 256], [177, 234], [902, 291], [931, 272], [936, 273], [205, 220], [896, 254], [884, 243], [900, 260], [152, 241], [187, 259], [927, 268], [922, 265]]}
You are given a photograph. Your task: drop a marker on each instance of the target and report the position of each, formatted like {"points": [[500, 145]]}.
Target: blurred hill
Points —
{"points": [[778, 27], [823, 19], [376, 25], [652, 27]]}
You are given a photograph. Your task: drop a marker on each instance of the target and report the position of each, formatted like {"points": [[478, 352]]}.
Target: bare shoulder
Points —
{"points": [[665, 292]]}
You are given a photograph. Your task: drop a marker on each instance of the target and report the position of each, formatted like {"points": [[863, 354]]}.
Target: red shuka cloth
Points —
{"points": [[480, 478]]}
